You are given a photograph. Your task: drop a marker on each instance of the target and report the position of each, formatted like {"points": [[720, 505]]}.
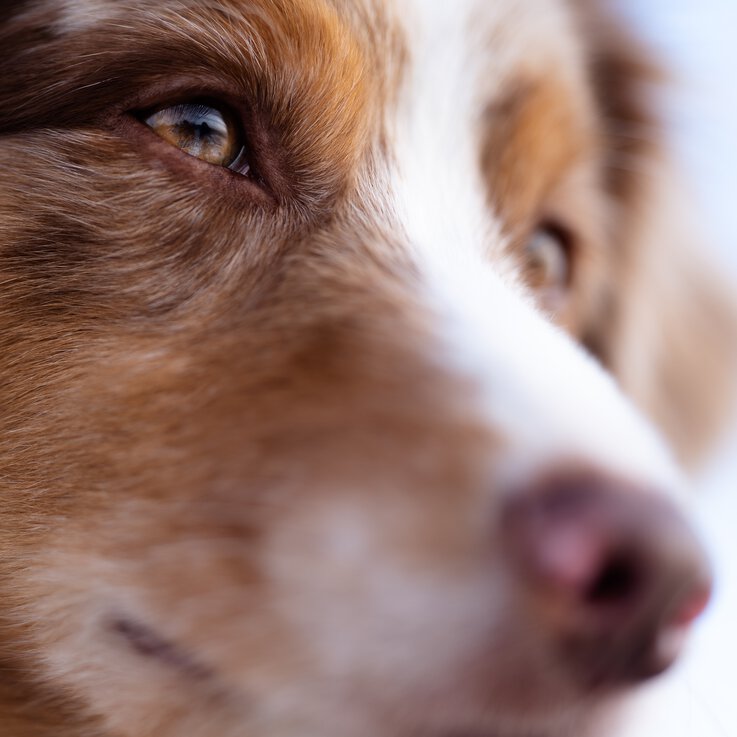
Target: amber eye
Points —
{"points": [[203, 131], [548, 262]]}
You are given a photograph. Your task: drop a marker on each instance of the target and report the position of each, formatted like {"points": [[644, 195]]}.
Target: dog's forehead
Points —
{"points": [[463, 55], [508, 35], [474, 62]]}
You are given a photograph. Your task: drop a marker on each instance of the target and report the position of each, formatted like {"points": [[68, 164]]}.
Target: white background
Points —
{"points": [[699, 699]]}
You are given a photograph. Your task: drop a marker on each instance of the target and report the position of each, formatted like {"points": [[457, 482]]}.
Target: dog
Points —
{"points": [[351, 353]]}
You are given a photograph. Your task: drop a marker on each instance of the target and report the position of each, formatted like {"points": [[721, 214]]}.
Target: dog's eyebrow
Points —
{"points": [[263, 49], [531, 133]]}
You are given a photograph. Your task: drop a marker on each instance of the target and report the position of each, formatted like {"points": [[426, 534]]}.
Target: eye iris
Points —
{"points": [[548, 261], [199, 130]]}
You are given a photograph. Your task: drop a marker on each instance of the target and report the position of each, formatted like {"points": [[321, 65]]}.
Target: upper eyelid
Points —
{"points": [[200, 104], [178, 89], [201, 110]]}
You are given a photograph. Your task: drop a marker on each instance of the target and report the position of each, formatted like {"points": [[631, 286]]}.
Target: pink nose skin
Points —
{"points": [[614, 575]]}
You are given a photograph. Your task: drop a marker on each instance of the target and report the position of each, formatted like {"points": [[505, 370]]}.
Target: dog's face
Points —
{"points": [[296, 437]]}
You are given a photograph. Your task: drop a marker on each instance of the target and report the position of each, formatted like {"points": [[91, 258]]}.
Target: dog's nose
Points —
{"points": [[612, 574]]}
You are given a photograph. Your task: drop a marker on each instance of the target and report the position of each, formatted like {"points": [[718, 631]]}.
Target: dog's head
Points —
{"points": [[304, 306]]}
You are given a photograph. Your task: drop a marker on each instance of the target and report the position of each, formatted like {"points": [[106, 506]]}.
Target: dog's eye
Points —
{"points": [[205, 132], [548, 263]]}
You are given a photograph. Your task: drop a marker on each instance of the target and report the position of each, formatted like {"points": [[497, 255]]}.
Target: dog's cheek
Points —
{"points": [[251, 579], [136, 601], [125, 239]]}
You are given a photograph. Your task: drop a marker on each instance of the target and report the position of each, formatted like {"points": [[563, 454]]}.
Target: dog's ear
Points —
{"points": [[668, 329]]}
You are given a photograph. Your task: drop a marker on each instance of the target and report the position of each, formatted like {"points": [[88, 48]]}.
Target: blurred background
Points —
{"points": [[699, 699]]}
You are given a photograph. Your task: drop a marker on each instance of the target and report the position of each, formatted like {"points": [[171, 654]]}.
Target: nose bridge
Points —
{"points": [[539, 388], [445, 323], [533, 385]]}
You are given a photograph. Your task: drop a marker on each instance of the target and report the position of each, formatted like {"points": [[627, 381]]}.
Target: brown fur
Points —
{"points": [[171, 336]]}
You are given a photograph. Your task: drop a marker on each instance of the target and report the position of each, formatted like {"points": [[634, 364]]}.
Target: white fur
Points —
{"points": [[79, 15]]}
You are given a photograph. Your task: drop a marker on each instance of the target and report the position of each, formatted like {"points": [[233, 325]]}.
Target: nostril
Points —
{"points": [[619, 582], [611, 574]]}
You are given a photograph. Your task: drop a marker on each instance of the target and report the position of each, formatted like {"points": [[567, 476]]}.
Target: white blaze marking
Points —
{"points": [[540, 390]]}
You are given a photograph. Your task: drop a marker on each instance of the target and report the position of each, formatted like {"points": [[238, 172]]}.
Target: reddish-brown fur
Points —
{"points": [[170, 336]]}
